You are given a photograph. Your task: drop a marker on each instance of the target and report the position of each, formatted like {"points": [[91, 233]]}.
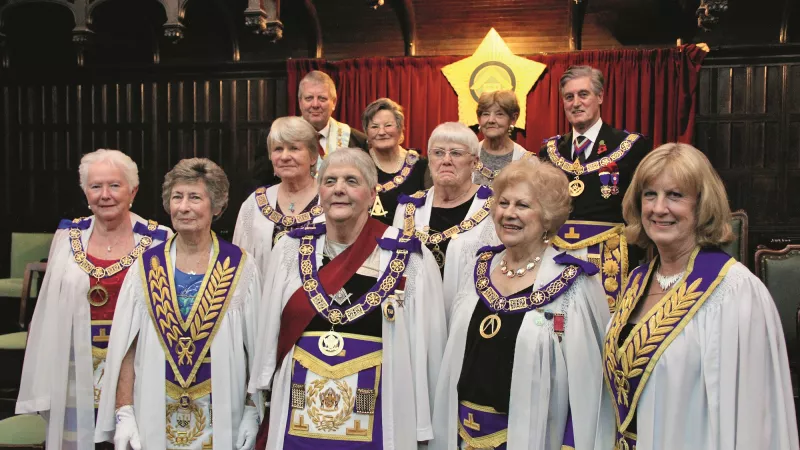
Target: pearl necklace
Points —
{"points": [[666, 282], [511, 273]]}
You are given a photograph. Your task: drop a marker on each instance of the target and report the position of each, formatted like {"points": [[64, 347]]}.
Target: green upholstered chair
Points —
{"points": [[738, 247], [25, 248], [23, 432], [779, 270]]}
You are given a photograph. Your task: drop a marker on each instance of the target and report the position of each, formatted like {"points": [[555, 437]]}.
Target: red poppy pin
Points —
{"points": [[602, 148]]}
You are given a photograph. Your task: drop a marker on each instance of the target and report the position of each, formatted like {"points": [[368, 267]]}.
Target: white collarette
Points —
{"points": [[590, 134]]}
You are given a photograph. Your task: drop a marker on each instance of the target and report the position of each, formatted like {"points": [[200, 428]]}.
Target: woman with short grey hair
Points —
{"points": [[186, 323], [341, 300], [400, 171], [453, 207], [88, 260], [272, 211]]}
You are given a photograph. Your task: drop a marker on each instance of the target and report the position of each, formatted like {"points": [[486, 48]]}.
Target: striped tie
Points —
{"points": [[581, 144]]}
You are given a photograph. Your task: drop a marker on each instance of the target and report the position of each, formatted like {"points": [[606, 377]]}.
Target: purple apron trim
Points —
{"points": [[489, 422], [101, 343], [569, 433], [585, 230]]}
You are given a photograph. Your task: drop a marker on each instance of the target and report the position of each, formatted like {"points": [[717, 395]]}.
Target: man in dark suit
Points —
{"points": [[600, 161], [316, 95]]}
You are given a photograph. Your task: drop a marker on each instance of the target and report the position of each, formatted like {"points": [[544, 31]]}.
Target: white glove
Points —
{"points": [[248, 429], [127, 433]]}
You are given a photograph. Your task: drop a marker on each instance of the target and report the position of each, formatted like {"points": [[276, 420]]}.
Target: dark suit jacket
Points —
{"points": [[357, 140], [591, 205]]}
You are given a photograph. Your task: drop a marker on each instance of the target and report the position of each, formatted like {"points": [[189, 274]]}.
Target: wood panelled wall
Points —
{"points": [[748, 124], [157, 120]]}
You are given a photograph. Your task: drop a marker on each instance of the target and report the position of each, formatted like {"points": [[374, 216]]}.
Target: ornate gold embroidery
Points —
{"points": [[320, 401]]}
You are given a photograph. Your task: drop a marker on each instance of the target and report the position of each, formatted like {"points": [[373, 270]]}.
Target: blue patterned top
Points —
{"points": [[186, 287]]}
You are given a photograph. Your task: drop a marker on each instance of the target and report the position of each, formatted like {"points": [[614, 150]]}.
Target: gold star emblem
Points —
{"points": [[492, 67]]}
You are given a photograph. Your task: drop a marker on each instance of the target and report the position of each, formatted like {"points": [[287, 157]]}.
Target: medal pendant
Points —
{"points": [[389, 311], [438, 255], [576, 187], [101, 292], [605, 191], [331, 343], [490, 326]]}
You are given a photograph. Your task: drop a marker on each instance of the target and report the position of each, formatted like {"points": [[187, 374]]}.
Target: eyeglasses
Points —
{"points": [[388, 127], [455, 154]]}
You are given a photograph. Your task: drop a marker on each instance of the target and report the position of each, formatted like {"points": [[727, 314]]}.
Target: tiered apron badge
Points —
{"points": [[335, 375], [377, 207], [98, 295], [577, 169], [428, 236], [627, 368], [607, 249], [482, 426], [288, 222], [187, 342]]}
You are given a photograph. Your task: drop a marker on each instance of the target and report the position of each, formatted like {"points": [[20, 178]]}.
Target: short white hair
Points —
{"points": [[455, 133], [114, 158], [355, 157]]}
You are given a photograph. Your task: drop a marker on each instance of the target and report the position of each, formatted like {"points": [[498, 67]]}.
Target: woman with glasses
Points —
{"points": [[400, 171], [452, 217]]}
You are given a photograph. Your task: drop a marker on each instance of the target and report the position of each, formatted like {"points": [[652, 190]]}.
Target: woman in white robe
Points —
{"points": [[497, 111], [714, 372], [523, 356], [272, 211], [408, 322], [203, 293], [64, 357], [451, 218]]}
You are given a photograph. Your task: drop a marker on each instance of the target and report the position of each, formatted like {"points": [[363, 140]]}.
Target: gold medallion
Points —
{"points": [[438, 255], [331, 343], [490, 326], [388, 311], [576, 187], [101, 291]]}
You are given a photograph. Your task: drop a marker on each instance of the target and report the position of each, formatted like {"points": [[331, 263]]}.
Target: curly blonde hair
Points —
{"points": [[550, 187], [690, 168]]}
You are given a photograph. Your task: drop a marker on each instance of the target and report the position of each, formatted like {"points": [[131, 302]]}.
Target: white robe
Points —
{"points": [[253, 231], [61, 324], [723, 383], [412, 346], [229, 362], [548, 378], [461, 251]]}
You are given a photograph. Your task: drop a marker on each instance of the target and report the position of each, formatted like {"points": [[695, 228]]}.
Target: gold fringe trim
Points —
{"points": [[338, 371], [493, 440], [199, 390]]}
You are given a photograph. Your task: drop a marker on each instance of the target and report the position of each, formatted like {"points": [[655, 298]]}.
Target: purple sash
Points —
{"points": [[186, 343], [627, 368]]}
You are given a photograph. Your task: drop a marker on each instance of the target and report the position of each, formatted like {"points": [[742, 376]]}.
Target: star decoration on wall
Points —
{"points": [[492, 67]]}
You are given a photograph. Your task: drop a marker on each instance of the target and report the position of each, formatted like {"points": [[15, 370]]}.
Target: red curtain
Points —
{"points": [[649, 91]]}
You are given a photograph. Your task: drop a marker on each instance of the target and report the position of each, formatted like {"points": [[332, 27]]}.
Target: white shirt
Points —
{"points": [[590, 134], [323, 141]]}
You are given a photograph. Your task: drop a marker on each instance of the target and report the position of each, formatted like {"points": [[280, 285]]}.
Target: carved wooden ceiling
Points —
{"points": [[160, 31]]}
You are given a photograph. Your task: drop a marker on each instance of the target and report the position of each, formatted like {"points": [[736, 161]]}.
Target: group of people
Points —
{"points": [[484, 297]]}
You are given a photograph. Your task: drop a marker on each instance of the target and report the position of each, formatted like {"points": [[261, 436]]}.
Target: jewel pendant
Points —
{"points": [[108, 249], [490, 326], [291, 207], [576, 187], [331, 343]]}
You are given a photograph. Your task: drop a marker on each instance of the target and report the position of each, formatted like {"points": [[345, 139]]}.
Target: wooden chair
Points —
{"points": [[738, 247], [779, 270]]}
